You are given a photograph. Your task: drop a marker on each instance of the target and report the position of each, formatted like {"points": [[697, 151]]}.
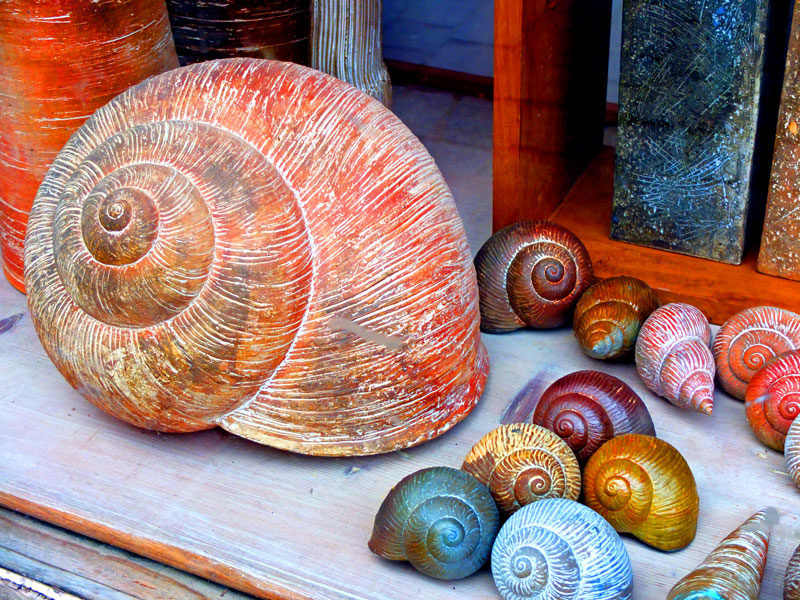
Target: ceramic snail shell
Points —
{"points": [[642, 485], [523, 463], [609, 314], [733, 570], [442, 520], [558, 549], [257, 245], [772, 400], [530, 274], [791, 581], [674, 359], [791, 451], [588, 408], [748, 340]]}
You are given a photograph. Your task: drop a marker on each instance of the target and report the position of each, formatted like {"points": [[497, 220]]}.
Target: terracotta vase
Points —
{"points": [[61, 60]]}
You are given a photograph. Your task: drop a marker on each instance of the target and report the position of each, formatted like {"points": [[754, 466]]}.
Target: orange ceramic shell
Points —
{"points": [[531, 273], [748, 340], [772, 399], [642, 485], [609, 315], [522, 463], [257, 245], [60, 60], [791, 582]]}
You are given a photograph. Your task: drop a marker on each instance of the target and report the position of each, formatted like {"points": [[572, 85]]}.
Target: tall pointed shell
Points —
{"points": [[791, 582], [530, 273], [558, 549], [522, 463], [791, 451], [609, 315], [673, 356], [772, 400], [588, 408], [733, 570], [642, 485], [442, 520], [257, 245], [748, 340]]}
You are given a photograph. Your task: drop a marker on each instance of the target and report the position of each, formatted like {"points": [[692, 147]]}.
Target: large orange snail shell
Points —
{"points": [[772, 399], [259, 246]]}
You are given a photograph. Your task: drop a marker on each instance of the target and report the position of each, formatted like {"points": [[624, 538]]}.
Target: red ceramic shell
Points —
{"points": [[772, 399], [588, 408], [531, 274], [61, 60], [791, 582], [257, 245]]}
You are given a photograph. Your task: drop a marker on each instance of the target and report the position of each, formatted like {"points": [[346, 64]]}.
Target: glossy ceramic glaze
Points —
{"points": [[772, 399]]}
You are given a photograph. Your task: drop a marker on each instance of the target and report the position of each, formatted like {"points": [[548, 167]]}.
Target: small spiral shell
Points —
{"points": [[673, 356], [791, 581], [530, 274], [588, 408], [642, 485], [523, 463], [558, 549], [791, 451], [733, 570], [442, 520], [609, 314], [772, 399]]}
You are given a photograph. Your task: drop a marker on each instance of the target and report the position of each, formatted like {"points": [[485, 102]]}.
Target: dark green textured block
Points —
{"points": [[690, 80]]}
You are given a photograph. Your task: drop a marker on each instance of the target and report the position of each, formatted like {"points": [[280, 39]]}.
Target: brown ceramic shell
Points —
{"points": [[642, 485], [522, 463], [733, 570], [791, 581], [772, 399], [674, 359], [530, 274], [588, 408], [609, 315], [748, 340]]}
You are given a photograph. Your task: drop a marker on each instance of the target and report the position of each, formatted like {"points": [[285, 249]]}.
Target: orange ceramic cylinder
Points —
{"points": [[61, 60]]}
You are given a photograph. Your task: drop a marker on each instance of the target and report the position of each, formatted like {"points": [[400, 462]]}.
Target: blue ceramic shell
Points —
{"points": [[442, 520], [557, 549]]}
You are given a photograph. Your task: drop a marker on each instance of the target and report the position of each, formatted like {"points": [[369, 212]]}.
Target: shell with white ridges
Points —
{"points": [[558, 549], [772, 399], [791, 581], [673, 356], [791, 451]]}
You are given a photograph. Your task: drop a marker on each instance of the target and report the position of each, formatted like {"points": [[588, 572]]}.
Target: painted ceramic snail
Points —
{"points": [[642, 485], [442, 520], [558, 549], [523, 463], [791, 450], [791, 581], [673, 356], [609, 315], [772, 400], [733, 570], [257, 245], [588, 408], [748, 340], [531, 274]]}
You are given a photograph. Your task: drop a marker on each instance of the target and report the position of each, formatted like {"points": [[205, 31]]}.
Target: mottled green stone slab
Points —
{"points": [[689, 88]]}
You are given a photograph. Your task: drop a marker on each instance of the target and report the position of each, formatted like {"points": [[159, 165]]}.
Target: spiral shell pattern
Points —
{"points": [[748, 340], [530, 274], [522, 463], [791, 582], [257, 245], [673, 356], [791, 451], [442, 520], [642, 485], [588, 408], [558, 549], [772, 400], [609, 315], [733, 570]]}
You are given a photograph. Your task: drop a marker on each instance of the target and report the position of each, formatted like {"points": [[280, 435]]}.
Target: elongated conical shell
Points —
{"points": [[673, 356], [642, 485], [558, 549], [523, 463], [791, 582], [609, 315], [530, 273], [442, 520], [791, 451], [588, 408], [748, 340], [772, 399], [733, 570]]}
